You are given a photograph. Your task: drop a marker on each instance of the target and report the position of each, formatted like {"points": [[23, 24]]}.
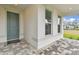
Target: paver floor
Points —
{"points": [[60, 47]]}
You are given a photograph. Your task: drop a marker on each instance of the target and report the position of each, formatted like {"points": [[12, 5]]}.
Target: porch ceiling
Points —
{"points": [[68, 9], [19, 6]]}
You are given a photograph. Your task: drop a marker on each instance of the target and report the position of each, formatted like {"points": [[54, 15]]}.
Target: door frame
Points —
{"points": [[13, 41]]}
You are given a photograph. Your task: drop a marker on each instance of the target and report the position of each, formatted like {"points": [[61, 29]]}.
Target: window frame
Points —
{"points": [[59, 24], [48, 31]]}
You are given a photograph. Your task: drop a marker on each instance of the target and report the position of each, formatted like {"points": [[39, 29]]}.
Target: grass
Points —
{"points": [[71, 35]]}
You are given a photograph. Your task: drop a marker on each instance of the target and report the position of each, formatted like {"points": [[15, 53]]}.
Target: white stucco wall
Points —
{"points": [[44, 40], [3, 22], [30, 25], [2, 25], [41, 22]]}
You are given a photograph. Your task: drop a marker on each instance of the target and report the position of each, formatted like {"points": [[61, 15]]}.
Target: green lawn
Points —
{"points": [[71, 35]]}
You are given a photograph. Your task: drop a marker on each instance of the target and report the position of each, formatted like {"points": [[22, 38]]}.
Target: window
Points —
{"points": [[48, 29], [59, 24], [48, 22], [48, 15]]}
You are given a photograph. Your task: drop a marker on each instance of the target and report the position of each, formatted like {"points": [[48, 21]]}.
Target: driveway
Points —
{"points": [[60, 47]]}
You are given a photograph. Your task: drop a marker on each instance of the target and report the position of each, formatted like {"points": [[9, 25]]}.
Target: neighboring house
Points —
{"points": [[39, 25], [71, 25], [68, 27]]}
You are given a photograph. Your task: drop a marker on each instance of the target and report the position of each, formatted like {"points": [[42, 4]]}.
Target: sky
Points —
{"points": [[71, 18]]}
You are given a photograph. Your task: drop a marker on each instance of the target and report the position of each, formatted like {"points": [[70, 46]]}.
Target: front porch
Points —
{"points": [[60, 47], [39, 26]]}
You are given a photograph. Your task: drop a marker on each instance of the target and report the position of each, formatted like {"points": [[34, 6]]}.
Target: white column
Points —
{"points": [[30, 25], [54, 23], [41, 22], [62, 26]]}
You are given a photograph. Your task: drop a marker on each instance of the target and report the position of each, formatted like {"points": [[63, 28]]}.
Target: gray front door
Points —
{"points": [[12, 27]]}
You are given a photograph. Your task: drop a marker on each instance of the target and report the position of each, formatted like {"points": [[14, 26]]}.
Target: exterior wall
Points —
{"points": [[30, 25], [44, 40], [41, 22], [3, 28], [3, 22]]}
